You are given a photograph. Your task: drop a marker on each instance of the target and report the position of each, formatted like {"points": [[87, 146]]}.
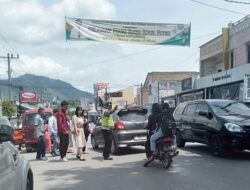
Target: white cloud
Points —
{"points": [[41, 65], [30, 21]]}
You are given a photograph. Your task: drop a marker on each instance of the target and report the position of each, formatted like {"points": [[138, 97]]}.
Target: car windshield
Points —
{"points": [[133, 117], [30, 118], [230, 108]]}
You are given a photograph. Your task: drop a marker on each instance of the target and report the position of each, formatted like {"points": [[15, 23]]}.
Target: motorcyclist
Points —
{"points": [[154, 121], [167, 119]]}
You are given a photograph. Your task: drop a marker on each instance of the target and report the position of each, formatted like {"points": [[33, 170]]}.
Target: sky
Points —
{"points": [[35, 29]]}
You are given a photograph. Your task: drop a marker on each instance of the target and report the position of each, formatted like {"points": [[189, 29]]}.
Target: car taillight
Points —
{"points": [[119, 125]]}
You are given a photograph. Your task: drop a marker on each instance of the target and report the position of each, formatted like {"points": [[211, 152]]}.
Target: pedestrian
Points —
{"points": [[53, 130], [107, 129], [70, 127], [78, 122], [47, 137], [86, 130], [39, 123], [63, 130]]}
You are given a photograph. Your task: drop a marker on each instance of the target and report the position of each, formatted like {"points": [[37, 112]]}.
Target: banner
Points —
{"points": [[27, 97], [129, 32]]}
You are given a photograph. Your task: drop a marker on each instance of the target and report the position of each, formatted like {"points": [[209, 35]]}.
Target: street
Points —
{"points": [[194, 169]]}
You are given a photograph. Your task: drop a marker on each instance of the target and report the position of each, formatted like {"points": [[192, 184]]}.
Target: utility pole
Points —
{"points": [[9, 57]]}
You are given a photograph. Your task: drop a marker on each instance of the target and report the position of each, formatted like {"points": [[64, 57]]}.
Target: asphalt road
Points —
{"points": [[193, 169]]}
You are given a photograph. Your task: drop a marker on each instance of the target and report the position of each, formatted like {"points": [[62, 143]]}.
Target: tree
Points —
{"points": [[8, 109]]}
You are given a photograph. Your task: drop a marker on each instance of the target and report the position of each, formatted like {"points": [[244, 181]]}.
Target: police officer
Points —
{"points": [[107, 129]]}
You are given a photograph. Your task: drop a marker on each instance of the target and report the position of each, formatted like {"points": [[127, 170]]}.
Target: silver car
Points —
{"points": [[129, 129], [15, 171]]}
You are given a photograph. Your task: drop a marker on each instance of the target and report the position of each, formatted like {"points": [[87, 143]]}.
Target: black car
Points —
{"points": [[129, 129], [221, 124]]}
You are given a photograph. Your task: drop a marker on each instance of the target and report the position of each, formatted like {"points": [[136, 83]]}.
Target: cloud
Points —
{"points": [[41, 65], [31, 22], [36, 30]]}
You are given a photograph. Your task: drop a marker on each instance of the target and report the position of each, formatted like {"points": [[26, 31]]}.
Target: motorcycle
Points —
{"points": [[165, 152]]}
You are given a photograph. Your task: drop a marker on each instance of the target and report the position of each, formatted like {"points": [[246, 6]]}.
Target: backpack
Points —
{"points": [[167, 125]]}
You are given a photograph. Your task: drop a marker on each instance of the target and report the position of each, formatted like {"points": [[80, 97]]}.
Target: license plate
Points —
{"points": [[140, 138]]}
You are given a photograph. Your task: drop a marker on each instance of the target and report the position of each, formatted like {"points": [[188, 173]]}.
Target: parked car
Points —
{"points": [[15, 171], [221, 124], [29, 128], [129, 129]]}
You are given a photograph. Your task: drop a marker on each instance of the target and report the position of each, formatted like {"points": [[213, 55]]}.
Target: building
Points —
{"points": [[123, 97], [224, 67], [211, 57], [161, 84], [239, 42], [228, 50]]}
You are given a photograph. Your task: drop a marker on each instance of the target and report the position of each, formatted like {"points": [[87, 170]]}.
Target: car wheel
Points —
{"points": [[29, 183], [179, 140], [216, 146], [114, 149], [93, 143]]}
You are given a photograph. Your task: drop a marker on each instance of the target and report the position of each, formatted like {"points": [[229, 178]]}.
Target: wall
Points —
{"points": [[127, 97], [211, 57], [239, 34], [212, 65]]}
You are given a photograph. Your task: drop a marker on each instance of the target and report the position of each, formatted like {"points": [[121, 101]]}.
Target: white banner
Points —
{"points": [[130, 32]]}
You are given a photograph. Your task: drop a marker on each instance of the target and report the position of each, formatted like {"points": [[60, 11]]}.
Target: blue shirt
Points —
{"points": [[39, 122]]}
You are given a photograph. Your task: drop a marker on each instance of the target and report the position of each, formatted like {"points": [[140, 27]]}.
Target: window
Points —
{"points": [[133, 117], [30, 118], [248, 53], [190, 110], [230, 107], [179, 109], [202, 107], [232, 59]]}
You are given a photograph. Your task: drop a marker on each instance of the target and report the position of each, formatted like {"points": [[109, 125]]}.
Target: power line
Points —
{"points": [[127, 55], [12, 49], [239, 2], [219, 8]]}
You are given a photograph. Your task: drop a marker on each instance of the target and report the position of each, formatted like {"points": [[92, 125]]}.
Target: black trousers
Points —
{"points": [[64, 143], [107, 134], [86, 137], [41, 147]]}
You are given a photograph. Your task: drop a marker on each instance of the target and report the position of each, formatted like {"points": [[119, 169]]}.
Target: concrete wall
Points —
{"points": [[127, 96], [212, 65], [239, 36], [211, 57], [167, 76]]}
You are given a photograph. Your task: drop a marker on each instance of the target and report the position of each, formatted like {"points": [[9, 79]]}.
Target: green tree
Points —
{"points": [[8, 109]]}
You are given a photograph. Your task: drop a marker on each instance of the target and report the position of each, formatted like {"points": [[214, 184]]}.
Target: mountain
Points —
{"points": [[45, 87]]}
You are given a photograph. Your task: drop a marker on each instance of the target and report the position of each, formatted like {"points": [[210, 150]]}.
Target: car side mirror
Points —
{"points": [[6, 133]]}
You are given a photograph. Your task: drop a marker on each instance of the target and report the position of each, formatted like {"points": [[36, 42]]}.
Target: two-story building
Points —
{"points": [[161, 84], [224, 67]]}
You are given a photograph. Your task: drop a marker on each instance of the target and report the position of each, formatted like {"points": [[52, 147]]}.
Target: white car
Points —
{"points": [[15, 171]]}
